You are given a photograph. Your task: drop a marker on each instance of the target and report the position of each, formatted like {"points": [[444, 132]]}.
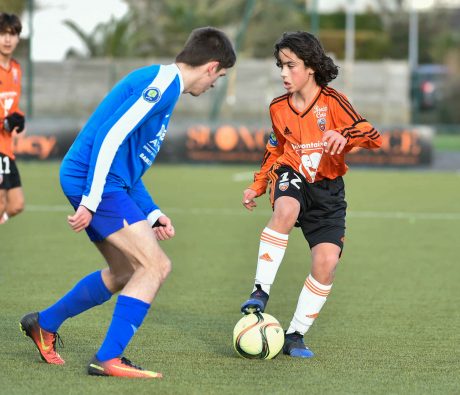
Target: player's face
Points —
{"points": [[294, 74], [208, 79], [8, 43]]}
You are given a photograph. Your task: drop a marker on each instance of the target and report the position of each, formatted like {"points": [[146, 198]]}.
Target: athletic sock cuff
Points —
{"points": [[274, 233], [104, 293], [316, 287]]}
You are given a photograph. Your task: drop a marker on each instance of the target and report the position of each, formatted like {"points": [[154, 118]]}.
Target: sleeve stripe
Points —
{"points": [[118, 132], [266, 156], [345, 104], [355, 133], [345, 101], [374, 135], [343, 107], [278, 99]]}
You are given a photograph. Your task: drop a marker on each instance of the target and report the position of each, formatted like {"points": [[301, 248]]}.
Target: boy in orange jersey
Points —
{"points": [[11, 118], [313, 127]]}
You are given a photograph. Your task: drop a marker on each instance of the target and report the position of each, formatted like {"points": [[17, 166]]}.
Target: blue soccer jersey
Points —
{"points": [[122, 138]]}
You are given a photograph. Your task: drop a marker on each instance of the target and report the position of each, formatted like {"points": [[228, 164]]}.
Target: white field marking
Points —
{"points": [[49, 208], [264, 212], [243, 176]]}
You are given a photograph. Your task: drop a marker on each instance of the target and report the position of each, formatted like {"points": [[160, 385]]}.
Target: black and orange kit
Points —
{"points": [[10, 93], [295, 162]]}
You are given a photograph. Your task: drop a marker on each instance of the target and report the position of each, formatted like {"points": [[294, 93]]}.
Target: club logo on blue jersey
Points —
{"points": [[151, 94]]}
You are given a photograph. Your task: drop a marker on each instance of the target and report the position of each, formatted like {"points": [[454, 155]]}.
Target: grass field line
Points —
{"points": [[429, 216]]}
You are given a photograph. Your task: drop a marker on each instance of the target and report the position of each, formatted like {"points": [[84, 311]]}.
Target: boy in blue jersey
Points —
{"points": [[101, 177]]}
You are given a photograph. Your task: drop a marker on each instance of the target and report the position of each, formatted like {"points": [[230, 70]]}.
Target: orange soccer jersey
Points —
{"points": [[296, 139], [10, 93]]}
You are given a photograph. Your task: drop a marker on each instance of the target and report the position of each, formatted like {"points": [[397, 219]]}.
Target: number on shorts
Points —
{"points": [[5, 165], [295, 181]]}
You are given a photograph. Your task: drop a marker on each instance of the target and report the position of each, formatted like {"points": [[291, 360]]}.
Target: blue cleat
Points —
{"points": [[295, 347], [256, 303]]}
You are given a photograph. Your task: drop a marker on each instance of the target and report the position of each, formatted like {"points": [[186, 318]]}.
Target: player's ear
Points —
{"points": [[213, 67]]}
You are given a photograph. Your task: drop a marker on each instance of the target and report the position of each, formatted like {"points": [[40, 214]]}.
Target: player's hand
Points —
{"points": [[14, 122], [165, 230], [81, 219], [334, 142], [248, 199]]}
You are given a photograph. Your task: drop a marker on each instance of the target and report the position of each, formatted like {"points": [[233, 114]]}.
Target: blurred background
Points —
{"points": [[399, 65]]}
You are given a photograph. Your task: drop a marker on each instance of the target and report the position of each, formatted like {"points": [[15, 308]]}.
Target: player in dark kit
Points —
{"points": [[313, 127]]}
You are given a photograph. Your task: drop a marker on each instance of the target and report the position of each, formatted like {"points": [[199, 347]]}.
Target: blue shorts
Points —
{"points": [[115, 207]]}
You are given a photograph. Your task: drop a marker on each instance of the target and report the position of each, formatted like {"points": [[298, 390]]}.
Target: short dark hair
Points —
{"points": [[207, 44], [10, 23], [308, 48]]}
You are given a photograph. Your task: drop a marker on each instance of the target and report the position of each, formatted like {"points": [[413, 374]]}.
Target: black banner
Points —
{"points": [[402, 146]]}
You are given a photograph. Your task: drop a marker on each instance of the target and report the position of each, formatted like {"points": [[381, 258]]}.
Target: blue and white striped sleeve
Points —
{"points": [[109, 136], [145, 202]]}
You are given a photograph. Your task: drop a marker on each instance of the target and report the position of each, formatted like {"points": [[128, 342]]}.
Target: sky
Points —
{"points": [[52, 38]]}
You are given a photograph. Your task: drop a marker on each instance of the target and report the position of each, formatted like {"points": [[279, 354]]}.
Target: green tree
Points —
{"points": [[115, 39], [13, 6]]}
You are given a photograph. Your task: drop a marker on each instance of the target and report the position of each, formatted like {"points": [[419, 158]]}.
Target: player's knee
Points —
{"points": [[15, 209], [285, 216], [165, 268], [326, 263], [158, 269]]}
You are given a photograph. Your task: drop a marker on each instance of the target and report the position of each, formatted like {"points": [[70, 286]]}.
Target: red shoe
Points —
{"points": [[44, 340], [119, 367]]}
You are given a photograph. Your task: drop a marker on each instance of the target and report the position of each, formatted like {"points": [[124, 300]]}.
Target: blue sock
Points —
{"points": [[127, 318], [90, 291]]}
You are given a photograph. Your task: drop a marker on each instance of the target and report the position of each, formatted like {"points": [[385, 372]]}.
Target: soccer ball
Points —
{"points": [[258, 336]]}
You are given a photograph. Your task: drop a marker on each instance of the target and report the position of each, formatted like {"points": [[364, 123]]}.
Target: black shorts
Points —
{"points": [[322, 205], [9, 173]]}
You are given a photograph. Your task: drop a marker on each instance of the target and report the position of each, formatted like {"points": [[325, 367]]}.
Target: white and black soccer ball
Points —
{"points": [[258, 336]]}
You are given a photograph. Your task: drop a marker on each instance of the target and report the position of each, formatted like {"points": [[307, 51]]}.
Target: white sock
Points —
{"points": [[311, 300], [271, 252]]}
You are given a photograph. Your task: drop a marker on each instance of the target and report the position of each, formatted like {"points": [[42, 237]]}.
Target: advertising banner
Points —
{"points": [[201, 143]]}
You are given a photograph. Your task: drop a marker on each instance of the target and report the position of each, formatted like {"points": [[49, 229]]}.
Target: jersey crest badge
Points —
{"points": [[283, 186], [151, 94], [273, 140], [320, 113], [322, 124]]}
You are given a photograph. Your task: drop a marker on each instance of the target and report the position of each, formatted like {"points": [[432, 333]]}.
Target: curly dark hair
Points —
{"points": [[308, 48]]}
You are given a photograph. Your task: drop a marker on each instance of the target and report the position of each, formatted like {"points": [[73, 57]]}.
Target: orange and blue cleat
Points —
{"points": [[44, 341], [256, 303], [120, 367], [295, 346]]}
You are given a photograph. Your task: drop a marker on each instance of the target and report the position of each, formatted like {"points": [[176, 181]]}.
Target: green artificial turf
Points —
{"points": [[390, 325]]}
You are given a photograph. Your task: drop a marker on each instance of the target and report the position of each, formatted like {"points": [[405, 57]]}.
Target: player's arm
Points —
{"points": [[108, 138], [121, 120], [273, 149], [15, 120], [352, 130], [160, 223]]}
